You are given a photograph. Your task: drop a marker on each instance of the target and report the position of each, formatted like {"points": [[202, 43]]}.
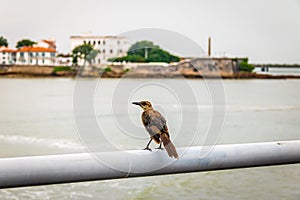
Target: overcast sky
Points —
{"points": [[266, 31]]}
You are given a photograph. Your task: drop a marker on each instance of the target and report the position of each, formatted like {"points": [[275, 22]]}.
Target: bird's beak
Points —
{"points": [[136, 103]]}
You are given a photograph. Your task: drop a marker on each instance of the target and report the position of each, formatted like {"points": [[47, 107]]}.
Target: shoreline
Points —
{"points": [[143, 76], [49, 72]]}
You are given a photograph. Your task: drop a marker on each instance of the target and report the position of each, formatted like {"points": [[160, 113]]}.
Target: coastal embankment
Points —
{"points": [[183, 70]]}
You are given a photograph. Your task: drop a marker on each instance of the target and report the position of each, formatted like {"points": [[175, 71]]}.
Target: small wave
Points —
{"points": [[261, 108], [63, 144], [238, 108]]}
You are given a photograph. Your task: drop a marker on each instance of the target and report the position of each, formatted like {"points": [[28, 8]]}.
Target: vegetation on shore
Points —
{"points": [[244, 66], [108, 69], [85, 52], [146, 51], [25, 43], [3, 42], [61, 68]]}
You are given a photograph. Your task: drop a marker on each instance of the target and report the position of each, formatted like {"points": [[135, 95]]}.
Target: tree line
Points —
{"points": [[142, 51], [20, 44]]}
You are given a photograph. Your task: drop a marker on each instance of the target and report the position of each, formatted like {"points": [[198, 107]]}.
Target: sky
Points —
{"points": [[266, 31]]}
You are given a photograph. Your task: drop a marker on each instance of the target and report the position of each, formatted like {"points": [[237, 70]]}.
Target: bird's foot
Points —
{"points": [[147, 148], [159, 147]]}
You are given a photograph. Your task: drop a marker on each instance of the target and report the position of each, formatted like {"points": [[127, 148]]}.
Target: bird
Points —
{"points": [[156, 126]]}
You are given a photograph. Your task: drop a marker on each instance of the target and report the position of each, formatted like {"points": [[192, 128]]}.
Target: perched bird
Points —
{"points": [[156, 125]]}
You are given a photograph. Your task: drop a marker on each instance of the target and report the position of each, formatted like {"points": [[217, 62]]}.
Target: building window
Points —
{"points": [[103, 42], [103, 51], [118, 42], [43, 60], [89, 42], [99, 51], [84, 42], [43, 54], [52, 54], [3, 62], [120, 51], [37, 54], [94, 43], [30, 60], [30, 54], [111, 51], [99, 42], [22, 54]]}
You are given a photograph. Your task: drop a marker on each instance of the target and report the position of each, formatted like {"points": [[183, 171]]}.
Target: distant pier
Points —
{"points": [[266, 67]]}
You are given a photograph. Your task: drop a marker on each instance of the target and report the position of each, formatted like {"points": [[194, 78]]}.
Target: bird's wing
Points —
{"points": [[146, 119], [154, 121], [160, 122], [151, 129]]}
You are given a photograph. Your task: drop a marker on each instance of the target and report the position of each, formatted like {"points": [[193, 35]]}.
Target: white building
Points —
{"points": [[108, 46], [36, 56], [64, 60], [42, 53], [7, 56]]}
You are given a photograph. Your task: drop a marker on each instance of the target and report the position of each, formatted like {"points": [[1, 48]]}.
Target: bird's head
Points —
{"points": [[145, 105]]}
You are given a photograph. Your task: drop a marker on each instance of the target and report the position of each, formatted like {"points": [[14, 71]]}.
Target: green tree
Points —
{"points": [[3, 41], [160, 55], [128, 58], [141, 48], [25, 43], [92, 55], [147, 51], [245, 66], [84, 51]]}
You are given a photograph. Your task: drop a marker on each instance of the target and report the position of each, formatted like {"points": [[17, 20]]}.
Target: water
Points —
{"points": [[37, 119], [279, 71]]}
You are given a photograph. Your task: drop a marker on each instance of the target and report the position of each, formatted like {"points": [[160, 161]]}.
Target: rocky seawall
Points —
{"points": [[33, 71], [122, 71]]}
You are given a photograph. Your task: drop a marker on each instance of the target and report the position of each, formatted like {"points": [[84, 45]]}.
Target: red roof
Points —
{"points": [[6, 49], [36, 49], [50, 42]]}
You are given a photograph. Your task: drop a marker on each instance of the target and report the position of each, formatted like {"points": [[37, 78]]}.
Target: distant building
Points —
{"points": [[108, 46], [42, 53], [35, 56], [64, 60], [7, 56], [49, 43]]}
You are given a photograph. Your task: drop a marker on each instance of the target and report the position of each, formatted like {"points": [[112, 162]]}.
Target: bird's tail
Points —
{"points": [[169, 146]]}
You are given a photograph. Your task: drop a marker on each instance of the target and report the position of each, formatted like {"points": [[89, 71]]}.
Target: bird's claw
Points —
{"points": [[147, 148], [160, 148]]}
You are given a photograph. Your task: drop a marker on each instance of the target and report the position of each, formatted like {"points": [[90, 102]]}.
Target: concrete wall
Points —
{"points": [[194, 67]]}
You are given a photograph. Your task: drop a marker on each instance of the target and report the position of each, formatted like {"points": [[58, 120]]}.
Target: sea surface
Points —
{"points": [[279, 71], [41, 117]]}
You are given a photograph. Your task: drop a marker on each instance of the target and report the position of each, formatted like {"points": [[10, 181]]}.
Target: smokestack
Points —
{"points": [[209, 46]]}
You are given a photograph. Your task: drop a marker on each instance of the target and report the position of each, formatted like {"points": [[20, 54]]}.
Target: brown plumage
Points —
{"points": [[156, 125]]}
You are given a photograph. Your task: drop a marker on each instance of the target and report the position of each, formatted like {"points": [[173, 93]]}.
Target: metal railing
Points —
{"points": [[53, 169]]}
